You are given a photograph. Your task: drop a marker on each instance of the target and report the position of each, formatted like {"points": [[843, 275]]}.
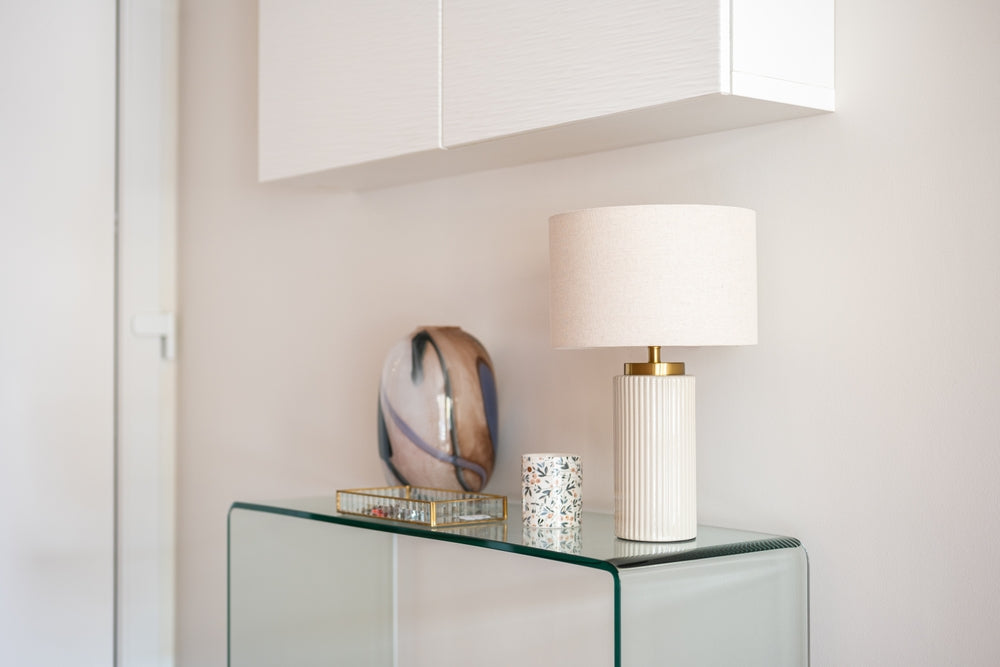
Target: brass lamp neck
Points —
{"points": [[654, 366]]}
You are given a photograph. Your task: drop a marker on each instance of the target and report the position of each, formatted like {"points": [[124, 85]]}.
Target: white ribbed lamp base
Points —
{"points": [[655, 474]]}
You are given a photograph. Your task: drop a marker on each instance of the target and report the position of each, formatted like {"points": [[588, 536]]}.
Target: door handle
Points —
{"points": [[163, 325]]}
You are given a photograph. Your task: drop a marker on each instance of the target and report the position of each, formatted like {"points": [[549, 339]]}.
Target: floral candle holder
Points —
{"points": [[551, 490]]}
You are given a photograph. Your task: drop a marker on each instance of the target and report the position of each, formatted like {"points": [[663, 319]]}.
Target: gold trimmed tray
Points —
{"points": [[423, 505]]}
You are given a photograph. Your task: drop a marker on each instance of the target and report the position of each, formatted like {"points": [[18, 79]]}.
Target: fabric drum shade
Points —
{"points": [[666, 275]]}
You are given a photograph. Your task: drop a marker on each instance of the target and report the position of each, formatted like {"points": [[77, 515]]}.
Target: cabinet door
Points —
{"points": [[346, 82], [520, 65]]}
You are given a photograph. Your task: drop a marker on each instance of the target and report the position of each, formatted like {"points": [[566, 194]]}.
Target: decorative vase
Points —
{"points": [[437, 411]]}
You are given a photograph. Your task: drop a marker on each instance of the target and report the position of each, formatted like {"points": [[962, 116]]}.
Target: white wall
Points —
{"points": [[866, 422]]}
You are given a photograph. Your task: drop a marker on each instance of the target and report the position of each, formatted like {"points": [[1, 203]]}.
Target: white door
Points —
{"points": [[57, 308], [71, 377]]}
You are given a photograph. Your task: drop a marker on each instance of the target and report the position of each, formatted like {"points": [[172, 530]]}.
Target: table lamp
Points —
{"points": [[652, 276]]}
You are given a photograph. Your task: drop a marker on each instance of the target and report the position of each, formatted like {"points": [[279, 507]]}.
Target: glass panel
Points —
{"points": [[749, 610], [306, 593], [462, 606]]}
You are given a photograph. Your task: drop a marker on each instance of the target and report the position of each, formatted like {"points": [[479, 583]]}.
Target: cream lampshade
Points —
{"points": [[652, 276]]}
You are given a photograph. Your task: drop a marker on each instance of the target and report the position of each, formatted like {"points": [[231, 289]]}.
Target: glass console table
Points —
{"points": [[310, 586]]}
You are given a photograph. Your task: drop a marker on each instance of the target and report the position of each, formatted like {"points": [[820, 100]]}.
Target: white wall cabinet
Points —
{"points": [[344, 82], [362, 96]]}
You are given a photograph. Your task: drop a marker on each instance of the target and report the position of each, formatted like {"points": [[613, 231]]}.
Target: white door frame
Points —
{"points": [[146, 307]]}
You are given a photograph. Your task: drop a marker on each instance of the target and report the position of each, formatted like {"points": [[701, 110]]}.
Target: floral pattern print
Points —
{"points": [[563, 540], [551, 490]]}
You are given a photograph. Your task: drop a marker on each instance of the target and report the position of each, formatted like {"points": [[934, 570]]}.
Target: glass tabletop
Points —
{"points": [[593, 544]]}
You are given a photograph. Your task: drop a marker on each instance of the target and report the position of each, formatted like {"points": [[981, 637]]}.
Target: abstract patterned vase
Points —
{"points": [[437, 411]]}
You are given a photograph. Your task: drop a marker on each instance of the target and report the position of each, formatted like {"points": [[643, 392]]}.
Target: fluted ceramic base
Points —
{"points": [[655, 473]]}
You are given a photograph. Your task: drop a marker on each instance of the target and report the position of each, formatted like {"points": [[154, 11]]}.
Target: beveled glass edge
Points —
{"points": [[229, 588], [416, 530], [714, 551], [428, 533]]}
